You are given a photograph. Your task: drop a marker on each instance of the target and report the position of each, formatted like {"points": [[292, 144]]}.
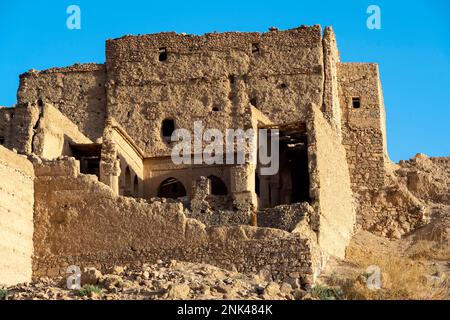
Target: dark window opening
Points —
{"points": [[255, 47], [356, 103], [40, 103], [218, 187], [162, 54], [89, 157], [215, 108], [171, 188], [2, 140], [253, 102], [168, 127]]}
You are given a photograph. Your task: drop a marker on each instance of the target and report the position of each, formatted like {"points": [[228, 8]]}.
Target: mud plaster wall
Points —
{"points": [[363, 129], [280, 72], [330, 185], [23, 121], [5, 122], [331, 107], [70, 231], [77, 91], [16, 218], [55, 133]]}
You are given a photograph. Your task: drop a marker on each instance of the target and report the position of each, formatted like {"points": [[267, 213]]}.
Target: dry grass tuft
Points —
{"points": [[401, 278]]}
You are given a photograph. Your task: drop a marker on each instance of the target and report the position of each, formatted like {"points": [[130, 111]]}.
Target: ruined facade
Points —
{"points": [[106, 190]]}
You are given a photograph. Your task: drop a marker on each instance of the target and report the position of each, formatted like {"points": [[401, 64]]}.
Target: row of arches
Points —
{"points": [[173, 188]]}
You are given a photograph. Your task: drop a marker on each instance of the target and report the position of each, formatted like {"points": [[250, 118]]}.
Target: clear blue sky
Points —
{"points": [[412, 48]]}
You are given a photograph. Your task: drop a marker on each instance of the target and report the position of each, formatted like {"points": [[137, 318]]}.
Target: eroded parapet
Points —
{"points": [[77, 91], [42, 130], [16, 218]]}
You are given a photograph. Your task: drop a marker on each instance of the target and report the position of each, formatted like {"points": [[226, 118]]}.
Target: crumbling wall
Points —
{"points": [[77, 91], [331, 107], [363, 128], [334, 215], [6, 115], [16, 218], [54, 133], [212, 78], [69, 231], [24, 120]]}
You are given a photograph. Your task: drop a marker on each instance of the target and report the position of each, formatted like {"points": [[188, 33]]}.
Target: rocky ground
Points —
{"points": [[171, 280]]}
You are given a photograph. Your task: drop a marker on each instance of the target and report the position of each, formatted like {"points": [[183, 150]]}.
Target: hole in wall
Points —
{"points": [[218, 187], [40, 103], [167, 128], [356, 102], [215, 108], [162, 54], [2, 140], [255, 48], [254, 102]]}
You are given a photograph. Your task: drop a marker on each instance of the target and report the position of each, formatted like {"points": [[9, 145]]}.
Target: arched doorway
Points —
{"points": [[218, 187], [171, 188]]}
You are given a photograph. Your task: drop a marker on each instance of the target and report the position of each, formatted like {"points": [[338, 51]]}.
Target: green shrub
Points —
{"points": [[88, 290], [324, 292], [3, 294]]}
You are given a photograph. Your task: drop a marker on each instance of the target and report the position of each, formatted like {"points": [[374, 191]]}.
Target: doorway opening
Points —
{"points": [[171, 188], [291, 183]]}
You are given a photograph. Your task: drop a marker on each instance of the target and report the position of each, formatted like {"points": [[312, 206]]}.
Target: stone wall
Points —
{"points": [[70, 230], [77, 91], [16, 218], [212, 78], [363, 128], [5, 122], [54, 133]]}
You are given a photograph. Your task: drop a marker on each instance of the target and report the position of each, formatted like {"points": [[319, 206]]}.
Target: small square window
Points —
{"points": [[162, 54], [356, 103]]}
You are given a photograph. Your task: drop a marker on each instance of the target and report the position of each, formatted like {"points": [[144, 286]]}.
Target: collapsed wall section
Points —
{"points": [[70, 231], [77, 91], [16, 218]]}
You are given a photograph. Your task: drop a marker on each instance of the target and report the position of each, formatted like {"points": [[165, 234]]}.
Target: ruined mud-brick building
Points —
{"points": [[92, 183]]}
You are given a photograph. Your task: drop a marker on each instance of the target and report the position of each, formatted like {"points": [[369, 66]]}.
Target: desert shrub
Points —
{"points": [[88, 290], [3, 294], [324, 292]]}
